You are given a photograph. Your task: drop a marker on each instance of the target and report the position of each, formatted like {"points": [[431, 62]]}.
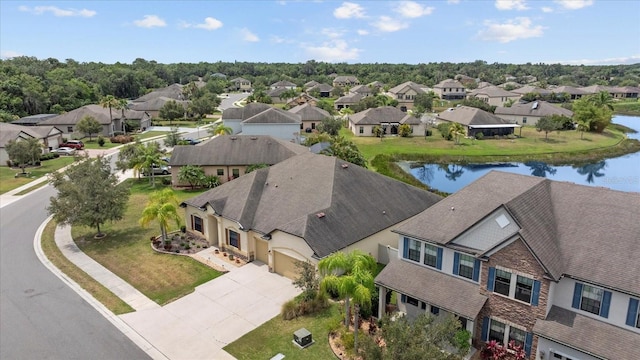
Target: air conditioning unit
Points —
{"points": [[302, 338]]}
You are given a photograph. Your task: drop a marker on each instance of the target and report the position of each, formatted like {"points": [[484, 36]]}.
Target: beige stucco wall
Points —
{"points": [[209, 170], [531, 120]]}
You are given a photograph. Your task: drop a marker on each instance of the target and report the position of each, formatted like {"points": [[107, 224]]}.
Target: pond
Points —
{"points": [[620, 173]]}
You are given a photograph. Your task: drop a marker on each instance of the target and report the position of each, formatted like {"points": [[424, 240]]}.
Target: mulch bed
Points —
{"points": [[180, 243]]}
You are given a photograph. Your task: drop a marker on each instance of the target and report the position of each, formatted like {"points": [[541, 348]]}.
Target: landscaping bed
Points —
{"points": [[180, 243]]}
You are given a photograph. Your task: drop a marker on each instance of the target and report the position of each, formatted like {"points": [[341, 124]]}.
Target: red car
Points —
{"points": [[75, 144]]}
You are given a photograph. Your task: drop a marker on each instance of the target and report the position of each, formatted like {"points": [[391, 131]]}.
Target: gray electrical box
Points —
{"points": [[302, 337]]}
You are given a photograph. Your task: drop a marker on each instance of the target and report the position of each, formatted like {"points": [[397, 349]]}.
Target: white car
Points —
{"points": [[64, 151]]}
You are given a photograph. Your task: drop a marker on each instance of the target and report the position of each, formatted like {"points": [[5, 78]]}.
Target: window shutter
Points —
{"points": [[476, 270], [491, 278], [606, 301], [632, 312], [577, 294], [485, 329], [439, 259], [405, 248], [456, 263], [403, 298], [528, 339], [536, 293]]}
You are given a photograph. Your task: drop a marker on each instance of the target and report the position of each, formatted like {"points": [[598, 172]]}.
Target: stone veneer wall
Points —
{"points": [[515, 256]]}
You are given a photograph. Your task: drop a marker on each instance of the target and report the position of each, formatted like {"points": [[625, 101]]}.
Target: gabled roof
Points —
{"points": [[173, 91], [449, 83], [244, 112], [594, 89], [100, 113], [33, 119], [276, 92], [350, 98], [568, 227], [470, 116], [569, 90], [385, 114], [405, 86], [321, 199], [283, 83], [310, 112], [273, 116], [492, 92], [10, 132], [345, 78], [321, 88], [310, 84], [361, 89], [236, 150], [534, 108], [239, 79], [155, 104], [531, 89]]}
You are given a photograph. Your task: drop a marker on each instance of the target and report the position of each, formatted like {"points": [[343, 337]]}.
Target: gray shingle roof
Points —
{"points": [[466, 115], [283, 83], [288, 196], [11, 132], [568, 227], [98, 112], [531, 89], [155, 104], [350, 98], [273, 116], [434, 287], [535, 108], [449, 83], [310, 112], [173, 91], [492, 91], [375, 116], [236, 150], [321, 88], [244, 112], [588, 335], [407, 85], [33, 119], [569, 90]]}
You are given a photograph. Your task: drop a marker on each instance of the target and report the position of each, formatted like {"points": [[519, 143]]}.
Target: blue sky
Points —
{"points": [[589, 32]]}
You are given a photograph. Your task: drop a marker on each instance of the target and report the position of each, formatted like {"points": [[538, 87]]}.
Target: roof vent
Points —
{"points": [[320, 215], [254, 138], [344, 166], [233, 137], [535, 105]]}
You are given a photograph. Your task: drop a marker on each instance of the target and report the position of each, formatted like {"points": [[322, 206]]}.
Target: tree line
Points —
{"points": [[30, 86]]}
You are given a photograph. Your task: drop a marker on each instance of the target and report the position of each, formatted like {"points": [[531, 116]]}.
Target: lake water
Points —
{"points": [[621, 173]]}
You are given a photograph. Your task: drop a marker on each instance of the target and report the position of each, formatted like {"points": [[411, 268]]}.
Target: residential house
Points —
{"points": [[33, 120], [530, 113], [278, 123], [405, 94], [616, 92], [112, 120], [465, 80], [323, 90], [276, 95], [228, 156], [173, 91], [549, 265], [493, 95], [310, 115], [364, 90], [234, 116], [309, 84], [304, 209], [49, 136], [389, 118], [303, 98], [283, 84], [478, 121], [450, 89], [346, 81], [574, 93], [528, 89], [240, 84], [347, 101], [152, 106]]}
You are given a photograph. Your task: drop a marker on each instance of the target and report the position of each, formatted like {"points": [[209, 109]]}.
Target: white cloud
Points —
{"points": [[574, 4], [277, 39], [335, 50], [8, 54], [633, 59], [56, 11], [362, 32], [511, 5], [411, 9], [349, 10], [519, 28], [247, 35], [546, 9], [388, 24], [453, 1], [332, 33], [150, 21], [210, 24]]}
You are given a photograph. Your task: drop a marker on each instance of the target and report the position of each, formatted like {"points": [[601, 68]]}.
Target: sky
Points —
{"points": [[589, 32]]}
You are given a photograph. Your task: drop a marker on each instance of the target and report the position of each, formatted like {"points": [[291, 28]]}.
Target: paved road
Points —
{"points": [[41, 317]]}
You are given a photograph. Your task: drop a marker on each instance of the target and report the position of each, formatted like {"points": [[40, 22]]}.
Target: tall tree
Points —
{"points": [[192, 174], [89, 126], [203, 105], [456, 130], [546, 124], [88, 194], [330, 125], [110, 102], [171, 110], [149, 155], [163, 208], [123, 105], [346, 150], [22, 152]]}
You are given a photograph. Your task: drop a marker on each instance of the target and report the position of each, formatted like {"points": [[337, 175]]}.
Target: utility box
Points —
{"points": [[302, 338]]}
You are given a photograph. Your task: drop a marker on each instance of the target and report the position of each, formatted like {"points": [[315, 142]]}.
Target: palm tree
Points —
{"points": [[351, 276], [123, 105], [110, 102], [163, 208], [149, 155], [456, 130], [221, 129], [602, 99]]}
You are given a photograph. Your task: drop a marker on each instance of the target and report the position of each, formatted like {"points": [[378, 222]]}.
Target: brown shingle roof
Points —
{"points": [[173, 91], [386, 114], [407, 85], [588, 335], [535, 108], [98, 112], [466, 115]]}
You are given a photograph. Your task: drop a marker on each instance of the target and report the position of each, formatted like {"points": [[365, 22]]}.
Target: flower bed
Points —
{"points": [[180, 243]]}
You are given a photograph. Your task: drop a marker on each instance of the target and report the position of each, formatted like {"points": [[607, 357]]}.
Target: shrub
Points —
{"points": [[479, 136], [428, 132], [511, 136], [121, 139], [289, 310], [166, 181], [101, 141], [347, 339], [443, 128]]}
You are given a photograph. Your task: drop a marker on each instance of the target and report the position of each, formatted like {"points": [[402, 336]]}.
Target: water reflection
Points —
{"points": [[540, 169], [592, 170], [452, 171]]}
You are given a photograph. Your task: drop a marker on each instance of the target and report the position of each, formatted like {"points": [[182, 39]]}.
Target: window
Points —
{"points": [[633, 313], [503, 282], [196, 223], [435, 310], [313, 126], [409, 300], [234, 239], [524, 120], [524, 286], [361, 130], [235, 173], [430, 255], [466, 266], [497, 331], [591, 299], [220, 172], [493, 329], [517, 335], [414, 250], [462, 321], [69, 129]]}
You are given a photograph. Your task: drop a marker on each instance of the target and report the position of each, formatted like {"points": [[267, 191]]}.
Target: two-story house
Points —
{"points": [[240, 84], [406, 93], [345, 81], [551, 265], [450, 90]]}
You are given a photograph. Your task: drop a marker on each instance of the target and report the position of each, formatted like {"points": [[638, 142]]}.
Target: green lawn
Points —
{"points": [[127, 252], [276, 335], [8, 181]]}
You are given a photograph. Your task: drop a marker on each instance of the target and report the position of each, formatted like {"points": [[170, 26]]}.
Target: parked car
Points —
{"points": [[64, 151], [76, 144], [158, 170], [192, 141]]}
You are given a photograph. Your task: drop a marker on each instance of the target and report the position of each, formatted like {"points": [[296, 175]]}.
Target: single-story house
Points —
{"points": [[283, 84], [111, 124], [304, 209], [406, 93], [389, 118], [228, 156], [530, 113], [549, 265], [574, 93], [478, 121], [309, 84], [303, 98], [310, 115], [276, 95], [278, 123], [347, 101], [450, 89], [153, 106], [323, 90], [173, 91], [33, 120], [364, 90], [528, 89], [493, 95], [49, 136]]}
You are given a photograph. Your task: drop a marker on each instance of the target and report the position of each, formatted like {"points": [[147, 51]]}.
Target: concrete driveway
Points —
{"points": [[217, 313]]}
